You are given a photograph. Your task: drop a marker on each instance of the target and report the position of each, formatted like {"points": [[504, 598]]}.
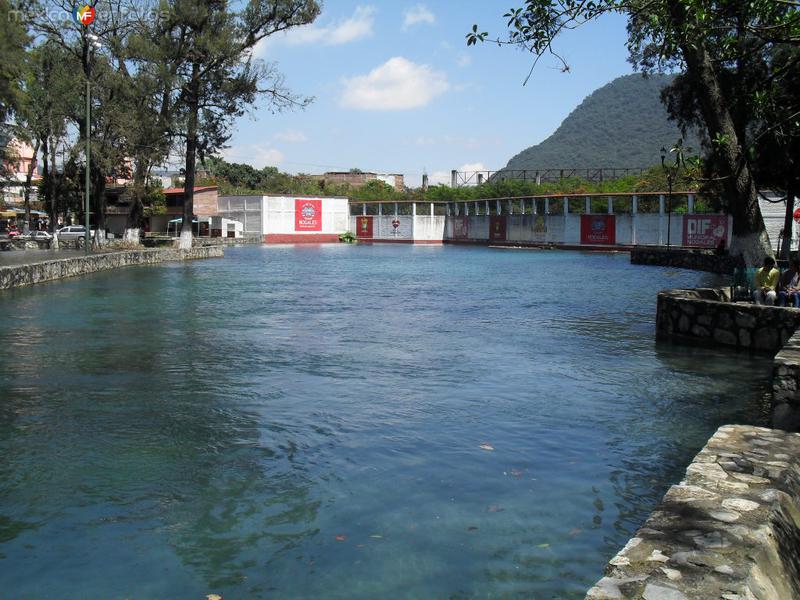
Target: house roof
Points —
{"points": [[205, 188]]}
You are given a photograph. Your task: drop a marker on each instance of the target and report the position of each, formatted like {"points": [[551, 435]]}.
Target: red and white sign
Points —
{"points": [[307, 215], [599, 230], [704, 231], [797, 216], [460, 228], [497, 228], [364, 227]]}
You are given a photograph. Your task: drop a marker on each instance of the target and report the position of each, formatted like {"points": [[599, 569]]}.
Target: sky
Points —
{"points": [[397, 90]]}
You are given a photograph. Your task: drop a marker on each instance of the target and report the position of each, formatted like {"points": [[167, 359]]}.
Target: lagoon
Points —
{"points": [[347, 422]]}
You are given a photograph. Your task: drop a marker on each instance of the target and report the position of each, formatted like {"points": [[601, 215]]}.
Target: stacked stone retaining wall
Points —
{"points": [[729, 530], [21, 275], [697, 259], [786, 386], [707, 316], [221, 241]]}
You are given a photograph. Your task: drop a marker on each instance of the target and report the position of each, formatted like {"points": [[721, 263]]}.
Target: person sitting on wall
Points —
{"points": [[789, 286], [766, 282]]}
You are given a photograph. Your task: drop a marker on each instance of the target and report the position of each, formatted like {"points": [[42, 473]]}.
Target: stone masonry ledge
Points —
{"points": [[730, 530], [786, 386], [684, 258], [707, 316], [22, 275]]}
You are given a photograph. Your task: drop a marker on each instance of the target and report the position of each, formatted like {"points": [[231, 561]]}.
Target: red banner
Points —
{"points": [[705, 231], [460, 228], [598, 229], [497, 228], [364, 227], [307, 215]]}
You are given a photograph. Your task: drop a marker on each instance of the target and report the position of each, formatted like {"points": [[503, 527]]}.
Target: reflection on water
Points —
{"points": [[346, 422]]}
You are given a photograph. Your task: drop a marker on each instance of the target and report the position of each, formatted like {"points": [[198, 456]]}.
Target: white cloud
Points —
{"points": [[356, 27], [336, 33], [416, 15], [464, 60], [397, 84], [255, 155], [291, 136]]}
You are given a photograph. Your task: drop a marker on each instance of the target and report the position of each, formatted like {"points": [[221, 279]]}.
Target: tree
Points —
{"points": [[96, 51], [13, 42], [209, 46], [702, 38], [49, 94]]}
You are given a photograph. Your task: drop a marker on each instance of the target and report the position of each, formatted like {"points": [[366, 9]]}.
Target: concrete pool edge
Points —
{"points": [[52, 270], [730, 529]]}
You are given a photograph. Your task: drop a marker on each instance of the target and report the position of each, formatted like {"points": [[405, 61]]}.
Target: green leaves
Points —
{"points": [[474, 36]]}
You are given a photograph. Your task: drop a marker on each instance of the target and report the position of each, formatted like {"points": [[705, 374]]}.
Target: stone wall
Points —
{"points": [[15, 276], [729, 530], [684, 258], [707, 316], [786, 386], [221, 241]]}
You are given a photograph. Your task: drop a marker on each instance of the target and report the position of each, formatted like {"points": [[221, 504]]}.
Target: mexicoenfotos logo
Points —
{"points": [[83, 14]]}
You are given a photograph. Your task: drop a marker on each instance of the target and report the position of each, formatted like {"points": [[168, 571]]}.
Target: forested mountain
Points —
{"points": [[622, 124]]}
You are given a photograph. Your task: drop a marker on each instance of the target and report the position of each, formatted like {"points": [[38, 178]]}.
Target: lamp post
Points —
{"points": [[671, 171], [88, 160], [93, 42]]}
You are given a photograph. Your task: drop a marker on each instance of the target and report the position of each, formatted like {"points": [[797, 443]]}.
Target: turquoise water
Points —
{"points": [[307, 422]]}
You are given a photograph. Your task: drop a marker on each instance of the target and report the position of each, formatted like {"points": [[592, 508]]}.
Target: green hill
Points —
{"points": [[621, 125]]}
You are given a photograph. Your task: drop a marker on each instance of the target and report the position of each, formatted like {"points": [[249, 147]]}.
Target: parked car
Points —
{"points": [[39, 236], [72, 233]]}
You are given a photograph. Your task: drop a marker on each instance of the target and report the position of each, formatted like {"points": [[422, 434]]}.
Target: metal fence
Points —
{"points": [[594, 175]]}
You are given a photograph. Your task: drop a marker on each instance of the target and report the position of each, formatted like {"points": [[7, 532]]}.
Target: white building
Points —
{"points": [[288, 219], [16, 165], [773, 209]]}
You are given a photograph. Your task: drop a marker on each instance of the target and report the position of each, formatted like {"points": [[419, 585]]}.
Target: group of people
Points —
{"points": [[773, 287]]}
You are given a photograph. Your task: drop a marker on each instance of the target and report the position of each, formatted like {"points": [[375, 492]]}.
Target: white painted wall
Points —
{"points": [[650, 229], [429, 228], [382, 227], [773, 213], [278, 215]]}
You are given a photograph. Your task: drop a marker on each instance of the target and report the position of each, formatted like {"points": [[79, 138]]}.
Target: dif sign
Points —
{"points": [[705, 231]]}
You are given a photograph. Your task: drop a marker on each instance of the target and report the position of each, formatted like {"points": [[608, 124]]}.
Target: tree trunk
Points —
{"points": [[99, 202], [750, 239], [28, 180], [191, 158], [46, 188], [135, 220], [55, 188]]}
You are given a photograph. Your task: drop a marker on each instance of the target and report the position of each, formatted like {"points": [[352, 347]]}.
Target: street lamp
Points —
{"points": [[671, 171], [94, 42]]}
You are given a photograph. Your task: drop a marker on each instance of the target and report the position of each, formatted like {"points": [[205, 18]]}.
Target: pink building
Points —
{"points": [[15, 167]]}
